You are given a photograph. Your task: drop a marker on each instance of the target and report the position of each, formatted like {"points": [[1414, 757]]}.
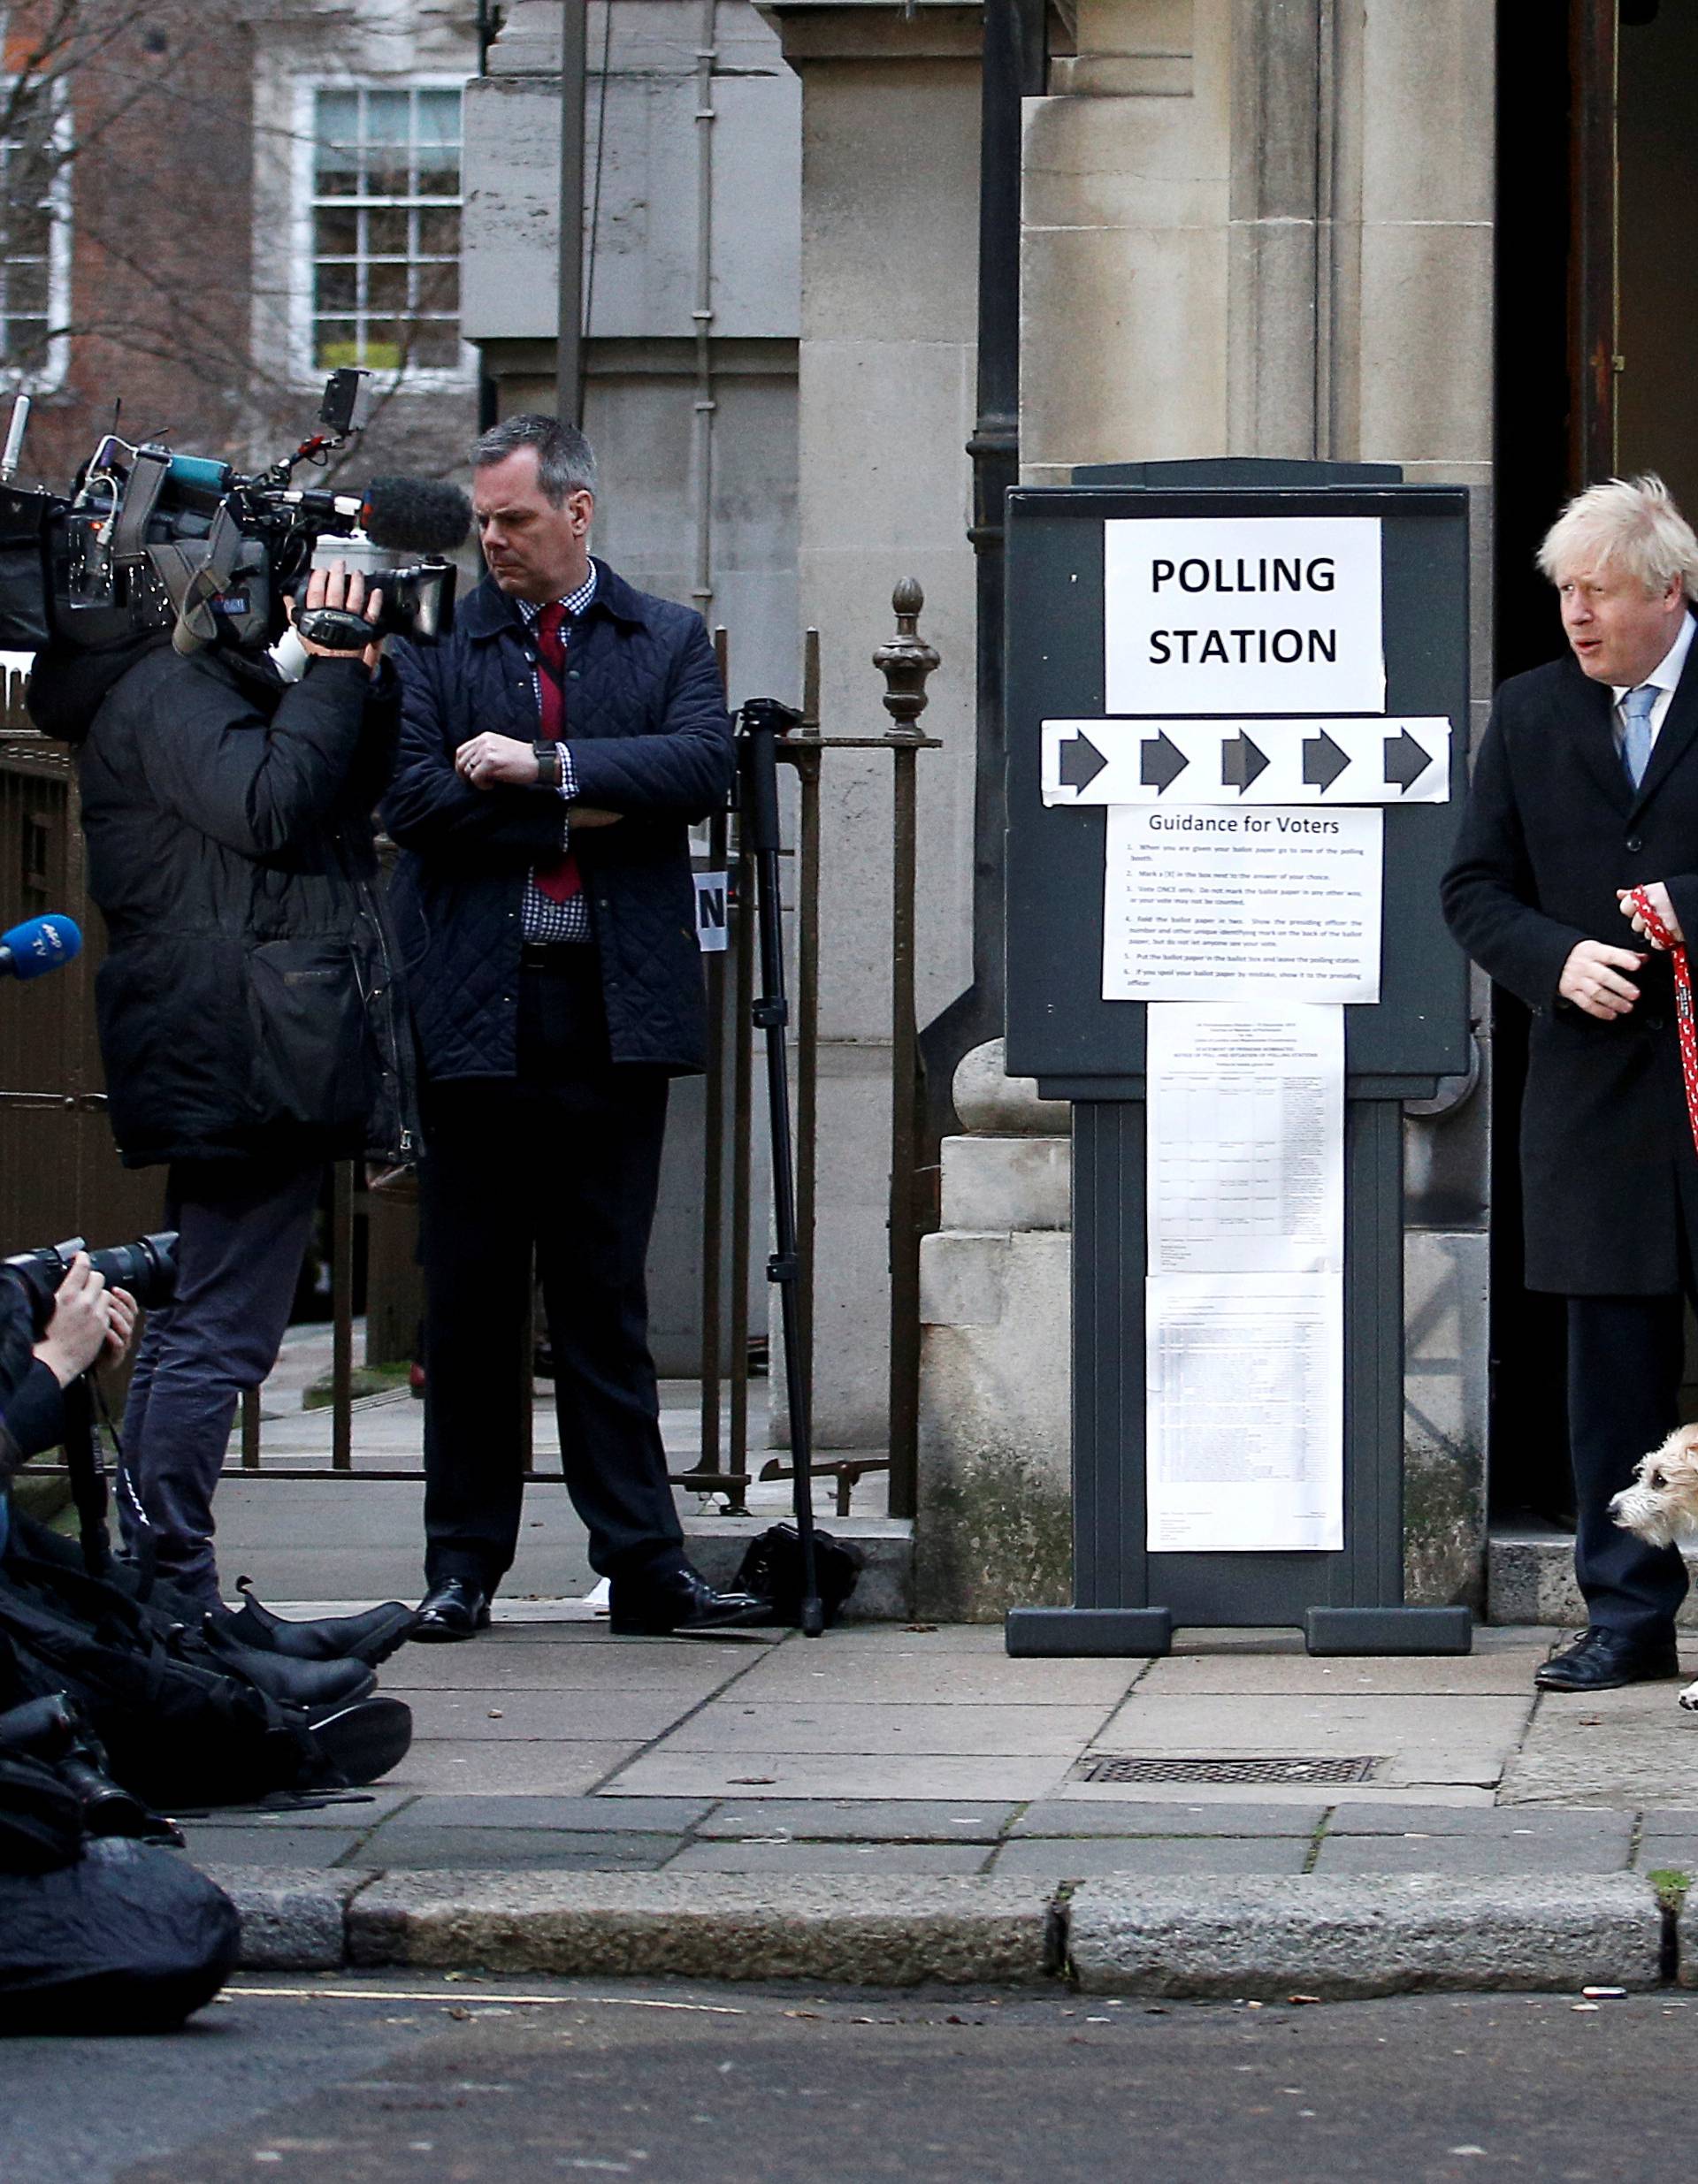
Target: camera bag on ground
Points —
{"points": [[99, 1932], [772, 1571], [121, 1938]]}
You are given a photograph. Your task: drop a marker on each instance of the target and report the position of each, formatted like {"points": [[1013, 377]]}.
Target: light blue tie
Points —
{"points": [[1636, 730]]}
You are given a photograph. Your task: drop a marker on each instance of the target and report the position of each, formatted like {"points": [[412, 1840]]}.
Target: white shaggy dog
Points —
{"points": [[1661, 1505]]}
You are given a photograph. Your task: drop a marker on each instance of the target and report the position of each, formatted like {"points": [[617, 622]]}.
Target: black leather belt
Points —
{"points": [[553, 955]]}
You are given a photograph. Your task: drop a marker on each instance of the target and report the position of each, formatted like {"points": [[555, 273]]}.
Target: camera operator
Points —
{"points": [[248, 1019], [90, 1325]]}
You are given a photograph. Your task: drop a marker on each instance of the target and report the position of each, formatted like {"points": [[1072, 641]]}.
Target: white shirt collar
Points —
{"points": [[1666, 673]]}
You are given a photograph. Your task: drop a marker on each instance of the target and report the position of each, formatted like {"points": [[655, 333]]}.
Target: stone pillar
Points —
{"points": [[995, 1505], [889, 246]]}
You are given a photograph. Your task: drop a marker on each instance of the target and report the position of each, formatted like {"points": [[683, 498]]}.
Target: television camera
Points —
{"points": [[152, 540]]}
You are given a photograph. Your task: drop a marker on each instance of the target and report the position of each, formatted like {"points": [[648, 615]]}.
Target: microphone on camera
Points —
{"points": [[38, 945], [417, 514]]}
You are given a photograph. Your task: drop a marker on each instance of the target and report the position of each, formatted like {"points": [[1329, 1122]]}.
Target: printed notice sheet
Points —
{"points": [[1246, 1143], [1207, 903], [1244, 1407]]}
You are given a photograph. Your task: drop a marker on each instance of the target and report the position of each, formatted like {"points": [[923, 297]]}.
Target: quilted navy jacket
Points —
{"points": [[649, 737]]}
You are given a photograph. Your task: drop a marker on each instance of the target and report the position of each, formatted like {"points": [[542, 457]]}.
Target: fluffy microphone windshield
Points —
{"points": [[415, 515]]}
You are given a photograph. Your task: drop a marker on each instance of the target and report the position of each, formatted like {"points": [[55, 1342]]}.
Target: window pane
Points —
{"points": [[383, 348], [338, 174], [338, 288], [337, 130], [439, 172], [385, 232], [438, 231], [336, 344], [385, 287], [383, 178], [438, 117], [387, 118], [339, 118], [336, 233], [436, 345], [25, 233], [439, 288]]}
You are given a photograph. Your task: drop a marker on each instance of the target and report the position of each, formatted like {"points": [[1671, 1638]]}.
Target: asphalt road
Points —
{"points": [[343, 2080]]}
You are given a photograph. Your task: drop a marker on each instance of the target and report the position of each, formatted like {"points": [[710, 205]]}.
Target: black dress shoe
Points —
{"points": [[453, 1608], [357, 1743], [1602, 1661], [679, 1604]]}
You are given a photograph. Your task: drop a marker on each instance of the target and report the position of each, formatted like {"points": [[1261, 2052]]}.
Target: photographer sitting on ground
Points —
{"points": [[249, 1021], [90, 1323]]}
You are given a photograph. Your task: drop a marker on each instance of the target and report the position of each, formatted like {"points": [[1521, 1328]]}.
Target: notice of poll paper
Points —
{"points": [[1244, 1305], [1203, 903]]}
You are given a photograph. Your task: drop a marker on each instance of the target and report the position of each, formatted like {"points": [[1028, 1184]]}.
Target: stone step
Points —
{"points": [[1530, 1577]]}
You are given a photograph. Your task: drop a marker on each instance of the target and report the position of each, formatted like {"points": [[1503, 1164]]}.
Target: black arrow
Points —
{"points": [[1322, 762], [1080, 762], [1162, 762], [1241, 762], [1407, 758]]}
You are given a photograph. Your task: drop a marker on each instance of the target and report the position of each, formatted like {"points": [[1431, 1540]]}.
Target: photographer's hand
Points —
{"points": [[340, 586], [81, 1325], [121, 1332]]}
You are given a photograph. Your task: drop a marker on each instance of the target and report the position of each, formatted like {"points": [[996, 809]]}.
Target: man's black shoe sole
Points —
{"points": [[432, 1633]]}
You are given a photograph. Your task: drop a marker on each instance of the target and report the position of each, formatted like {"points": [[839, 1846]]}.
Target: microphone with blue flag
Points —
{"points": [[39, 946]]}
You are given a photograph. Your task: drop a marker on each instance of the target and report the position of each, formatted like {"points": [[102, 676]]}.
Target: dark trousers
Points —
{"points": [[1624, 1358], [565, 1158], [242, 1229]]}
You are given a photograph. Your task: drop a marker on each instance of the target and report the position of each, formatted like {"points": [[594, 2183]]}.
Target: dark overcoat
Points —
{"points": [[650, 738], [1551, 829], [247, 1004]]}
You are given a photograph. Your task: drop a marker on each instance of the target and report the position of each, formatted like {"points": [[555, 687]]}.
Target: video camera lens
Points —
{"points": [[147, 1268]]}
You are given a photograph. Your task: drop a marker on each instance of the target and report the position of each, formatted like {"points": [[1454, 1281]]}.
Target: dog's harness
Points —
{"points": [[1683, 1017]]}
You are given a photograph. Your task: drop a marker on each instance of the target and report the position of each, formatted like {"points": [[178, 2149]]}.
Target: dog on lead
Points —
{"points": [[1661, 1507]]}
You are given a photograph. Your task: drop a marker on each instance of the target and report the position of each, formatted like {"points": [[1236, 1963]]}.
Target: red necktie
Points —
{"points": [[558, 881]]}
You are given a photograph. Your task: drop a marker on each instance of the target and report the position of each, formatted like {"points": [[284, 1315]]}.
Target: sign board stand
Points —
{"points": [[1064, 621]]}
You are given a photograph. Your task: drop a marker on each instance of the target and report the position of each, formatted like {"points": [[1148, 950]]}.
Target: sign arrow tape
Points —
{"points": [[1080, 761], [1406, 760], [1322, 762], [1241, 763], [1163, 762]]}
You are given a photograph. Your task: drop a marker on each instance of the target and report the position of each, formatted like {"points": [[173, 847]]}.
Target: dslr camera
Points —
{"points": [[151, 539], [147, 1268]]}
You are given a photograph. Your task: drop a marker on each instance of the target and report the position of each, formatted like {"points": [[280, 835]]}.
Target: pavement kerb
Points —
{"points": [[1229, 1937]]}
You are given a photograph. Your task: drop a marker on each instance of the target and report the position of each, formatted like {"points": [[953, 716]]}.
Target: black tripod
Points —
{"points": [[761, 722]]}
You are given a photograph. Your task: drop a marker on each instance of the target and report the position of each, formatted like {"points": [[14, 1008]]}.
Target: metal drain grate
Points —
{"points": [[1109, 1770]]}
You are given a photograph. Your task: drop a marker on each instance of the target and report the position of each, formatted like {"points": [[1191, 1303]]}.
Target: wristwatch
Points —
{"points": [[548, 765]]}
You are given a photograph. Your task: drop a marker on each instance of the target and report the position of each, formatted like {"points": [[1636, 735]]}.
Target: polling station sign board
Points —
{"points": [[1196, 676]]}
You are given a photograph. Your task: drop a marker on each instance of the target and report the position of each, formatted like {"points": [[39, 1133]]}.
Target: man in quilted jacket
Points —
{"points": [[554, 752]]}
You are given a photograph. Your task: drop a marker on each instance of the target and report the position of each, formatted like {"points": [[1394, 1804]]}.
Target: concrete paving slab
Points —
{"points": [[1606, 1851], [567, 1815], [1360, 1936], [557, 1717], [746, 1775], [422, 1850], [302, 1849], [526, 1661], [543, 1770], [734, 1725], [920, 1638], [1503, 1671], [967, 1678], [1070, 1817], [1276, 1724], [1631, 1748], [861, 1820], [1552, 1825], [953, 1928], [1087, 1859], [1667, 1853], [361, 1810], [873, 1861]]}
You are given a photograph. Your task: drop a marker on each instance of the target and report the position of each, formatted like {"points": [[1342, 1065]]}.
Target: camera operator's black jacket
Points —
{"points": [[246, 1004], [647, 727]]}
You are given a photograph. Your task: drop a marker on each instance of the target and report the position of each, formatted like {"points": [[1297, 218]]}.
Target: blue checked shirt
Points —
{"points": [[546, 920]]}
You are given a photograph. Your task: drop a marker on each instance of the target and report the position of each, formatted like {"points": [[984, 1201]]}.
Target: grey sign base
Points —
{"points": [[1389, 1630], [1088, 1633]]}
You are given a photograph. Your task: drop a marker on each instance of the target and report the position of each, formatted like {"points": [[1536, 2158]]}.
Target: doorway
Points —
{"points": [[1597, 325]]}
